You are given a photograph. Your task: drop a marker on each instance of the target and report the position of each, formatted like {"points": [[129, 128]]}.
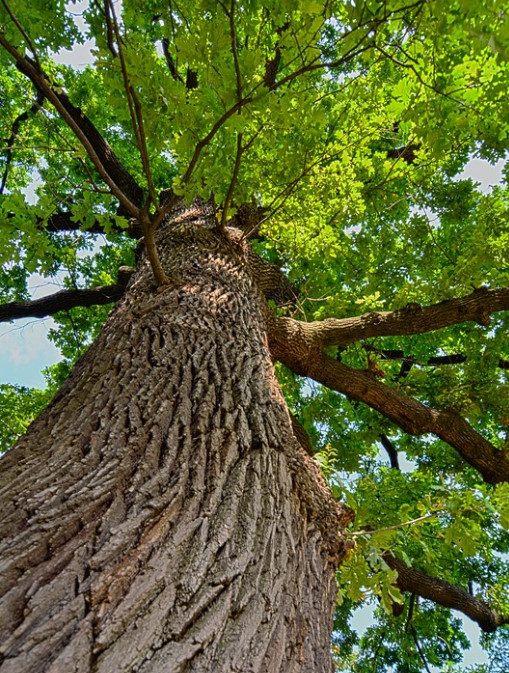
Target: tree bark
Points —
{"points": [[160, 515]]}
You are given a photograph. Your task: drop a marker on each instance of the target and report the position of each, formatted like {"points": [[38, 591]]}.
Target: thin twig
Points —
{"points": [[233, 181], [135, 110], [419, 649], [233, 37], [411, 607], [358, 533], [210, 135]]}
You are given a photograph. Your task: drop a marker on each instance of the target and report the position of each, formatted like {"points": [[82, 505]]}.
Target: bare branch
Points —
{"points": [[62, 221], [435, 361], [290, 343], [391, 451], [412, 319], [66, 299], [445, 594]]}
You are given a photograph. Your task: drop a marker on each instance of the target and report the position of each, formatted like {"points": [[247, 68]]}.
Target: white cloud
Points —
{"points": [[81, 54], [481, 171]]}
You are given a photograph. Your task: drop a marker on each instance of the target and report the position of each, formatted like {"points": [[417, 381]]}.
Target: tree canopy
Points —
{"points": [[333, 134]]}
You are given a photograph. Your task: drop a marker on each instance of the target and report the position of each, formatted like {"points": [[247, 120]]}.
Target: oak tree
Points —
{"points": [[284, 334]]}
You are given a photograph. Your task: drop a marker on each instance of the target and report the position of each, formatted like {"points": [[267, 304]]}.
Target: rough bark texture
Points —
{"points": [[412, 319], [161, 515]]}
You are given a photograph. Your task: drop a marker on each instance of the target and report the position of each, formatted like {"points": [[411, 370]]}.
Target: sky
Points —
{"points": [[25, 348]]}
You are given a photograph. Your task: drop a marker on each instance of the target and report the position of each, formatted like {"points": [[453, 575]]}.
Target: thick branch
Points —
{"points": [[412, 319], [391, 451], [270, 279], [302, 436], [248, 219], [291, 345], [407, 153], [62, 221], [443, 593], [66, 299]]}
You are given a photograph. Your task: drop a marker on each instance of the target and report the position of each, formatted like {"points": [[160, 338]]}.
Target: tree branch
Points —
{"points": [[191, 75], [109, 167], [170, 62], [419, 648], [302, 436], [271, 281], [391, 451], [66, 299], [134, 106], [357, 50], [407, 153], [62, 221], [445, 594], [435, 361], [290, 343], [210, 135], [233, 181], [412, 319], [165, 209], [248, 219], [23, 117]]}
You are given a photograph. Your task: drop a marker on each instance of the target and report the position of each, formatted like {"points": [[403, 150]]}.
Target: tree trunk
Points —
{"points": [[160, 515]]}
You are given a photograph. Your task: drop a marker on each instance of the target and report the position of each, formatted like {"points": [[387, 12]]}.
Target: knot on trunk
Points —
{"points": [[270, 279]]}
